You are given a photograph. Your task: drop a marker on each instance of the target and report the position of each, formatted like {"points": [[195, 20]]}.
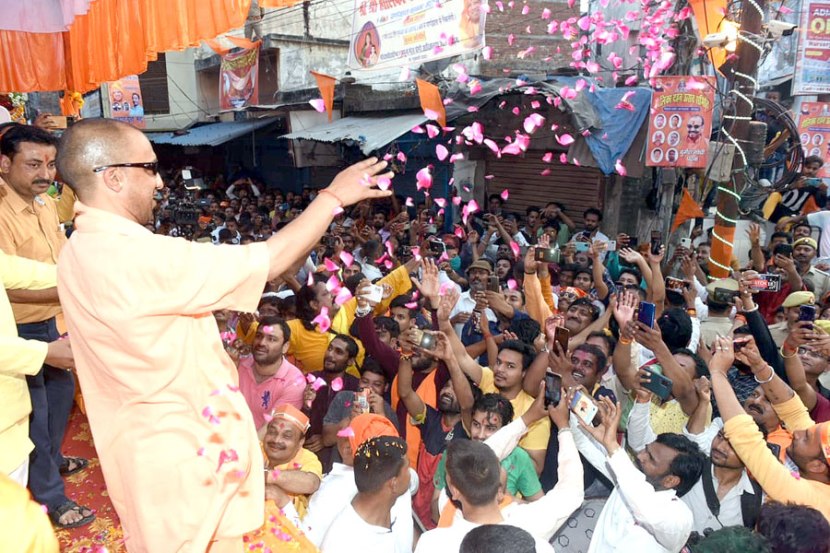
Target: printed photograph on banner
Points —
{"points": [[814, 133], [238, 79], [126, 103], [389, 33], [812, 63], [681, 122]]}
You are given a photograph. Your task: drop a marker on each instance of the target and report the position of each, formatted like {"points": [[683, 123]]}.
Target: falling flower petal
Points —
{"points": [[317, 383], [337, 384], [620, 168], [432, 131], [565, 139], [487, 52], [322, 320], [563, 158], [330, 265], [343, 295], [512, 284], [547, 157], [210, 415], [475, 87], [441, 152], [347, 432], [424, 179], [318, 104], [511, 38], [517, 250], [336, 211], [401, 157], [504, 194], [227, 456], [440, 202]]}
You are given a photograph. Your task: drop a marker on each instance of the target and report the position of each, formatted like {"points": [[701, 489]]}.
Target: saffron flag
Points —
{"points": [[326, 85], [431, 102], [688, 209]]}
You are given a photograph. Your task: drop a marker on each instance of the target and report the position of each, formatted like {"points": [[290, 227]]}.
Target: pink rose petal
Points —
{"points": [[322, 320], [433, 131], [424, 179], [565, 139], [517, 251], [227, 456], [343, 295], [347, 432], [505, 194], [337, 384], [512, 284], [441, 152], [620, 168], [346, 258], [318, 104]]}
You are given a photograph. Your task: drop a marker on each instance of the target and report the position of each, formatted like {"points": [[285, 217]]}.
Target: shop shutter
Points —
{"points": [[577, 187]]}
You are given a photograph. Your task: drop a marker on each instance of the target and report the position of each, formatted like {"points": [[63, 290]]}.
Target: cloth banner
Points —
{"points": [[812, 62], [126, 103], [239, 79], [391, 33], [814, 132], [681, 122]]}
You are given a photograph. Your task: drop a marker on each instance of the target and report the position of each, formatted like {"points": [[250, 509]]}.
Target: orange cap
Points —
{"points": [[368, 426], [293, 415]]}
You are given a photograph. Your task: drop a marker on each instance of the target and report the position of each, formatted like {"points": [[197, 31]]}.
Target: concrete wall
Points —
{"points": [[186, 100]]}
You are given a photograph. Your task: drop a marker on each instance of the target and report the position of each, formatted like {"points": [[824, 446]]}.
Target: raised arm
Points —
{"points": [[598, 269], [350, 186], [415, 406], [800, 335], [469, 365], [624, 307], [657, 286], [683, 388]]}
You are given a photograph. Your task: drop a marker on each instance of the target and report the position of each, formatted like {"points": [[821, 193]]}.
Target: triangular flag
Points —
{"points": [[688, 209], [326, 85], [431, 101]]}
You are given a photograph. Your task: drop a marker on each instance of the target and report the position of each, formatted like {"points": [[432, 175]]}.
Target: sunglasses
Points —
{"points": [[152, 166], [693, 126]]}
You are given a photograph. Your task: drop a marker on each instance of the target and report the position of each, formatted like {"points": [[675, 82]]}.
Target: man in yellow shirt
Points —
{"points": [[30, 228], [295, 472], [810, 448], [19, 358]]}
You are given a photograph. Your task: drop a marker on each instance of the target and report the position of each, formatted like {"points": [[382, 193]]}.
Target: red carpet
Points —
{"points": [[87, 488]]}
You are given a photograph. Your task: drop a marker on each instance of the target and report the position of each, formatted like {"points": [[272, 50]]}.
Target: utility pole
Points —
{"points": [[741, 75]]}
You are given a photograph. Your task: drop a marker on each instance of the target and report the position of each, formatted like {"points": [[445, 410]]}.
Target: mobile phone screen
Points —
{"points": [[646, 313]]}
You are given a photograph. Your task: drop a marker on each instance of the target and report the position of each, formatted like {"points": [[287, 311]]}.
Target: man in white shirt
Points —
{"points": [[644, 512], [724, 495], [477, 274], [381, 474], [338, 487], [474, 484]]}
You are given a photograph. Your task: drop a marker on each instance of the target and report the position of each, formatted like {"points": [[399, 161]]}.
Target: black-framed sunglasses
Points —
{"points": [[152, 166]]}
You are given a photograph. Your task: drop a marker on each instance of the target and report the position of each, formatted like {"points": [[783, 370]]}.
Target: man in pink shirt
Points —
{"points": [[176, 439], [266, 377]]}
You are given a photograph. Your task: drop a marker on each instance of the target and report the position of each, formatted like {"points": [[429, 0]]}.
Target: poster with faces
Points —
{"points": [[814, 132], [680, 122]]}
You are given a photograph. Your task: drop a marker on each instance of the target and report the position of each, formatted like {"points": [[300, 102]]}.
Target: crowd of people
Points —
{"points": [[349, 371]]}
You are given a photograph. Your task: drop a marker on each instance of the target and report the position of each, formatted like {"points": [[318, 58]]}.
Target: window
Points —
{"points": [[154, 87]]}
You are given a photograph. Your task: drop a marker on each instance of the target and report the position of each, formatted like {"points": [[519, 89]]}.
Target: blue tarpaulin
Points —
{"points": [[619, 126]]}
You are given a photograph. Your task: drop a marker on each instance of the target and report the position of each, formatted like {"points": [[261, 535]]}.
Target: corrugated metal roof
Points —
{"points": [[370, 133], [213, 134]]}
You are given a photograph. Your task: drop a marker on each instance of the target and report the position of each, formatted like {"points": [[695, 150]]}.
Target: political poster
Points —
{"points": [[681, 121], [126, 103], [389, 33], [814, 132], [812, 63], [239, 79]]}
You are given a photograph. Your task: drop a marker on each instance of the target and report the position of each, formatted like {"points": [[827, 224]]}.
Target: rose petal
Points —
{"points": [[512, 284], [441, 152], [565, 139], [337, 384], [505, 194], [347, 432], [620, 168], [346, 258], [322, 320], [424, 179], [318, 104]]}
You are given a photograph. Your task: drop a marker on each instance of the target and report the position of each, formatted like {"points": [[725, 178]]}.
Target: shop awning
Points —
{"points": [[370, 133], [213, 134]]}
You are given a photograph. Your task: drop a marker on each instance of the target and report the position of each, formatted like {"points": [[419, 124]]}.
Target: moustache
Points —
{"points": [[42, 181]]}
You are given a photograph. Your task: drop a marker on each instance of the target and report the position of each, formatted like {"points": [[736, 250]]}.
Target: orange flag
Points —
{"points": [[240, 42], [688, 209], [326, 85], [214, 45], [431, 101]]}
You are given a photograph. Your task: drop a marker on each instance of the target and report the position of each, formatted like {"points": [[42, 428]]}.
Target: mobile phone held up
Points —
{"points": [[677, 284], [562, 336], [583, 406], [807, 313], [658, 384], [646, 313], [724, 296], [553, 389], [547, 255], [656, 241], [493, 284], [766, 283], [424, 340]]}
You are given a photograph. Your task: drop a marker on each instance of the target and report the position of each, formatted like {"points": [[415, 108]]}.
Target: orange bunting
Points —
{"points": [[431, 102]]}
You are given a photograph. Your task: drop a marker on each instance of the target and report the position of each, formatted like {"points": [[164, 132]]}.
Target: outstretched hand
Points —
{"points": [[358, 182]]}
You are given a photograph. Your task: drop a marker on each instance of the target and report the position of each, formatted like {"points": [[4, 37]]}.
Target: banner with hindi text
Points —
{"points": [[814, 132], [812, 61], [239, 79], [681, 121], [389, 33]]}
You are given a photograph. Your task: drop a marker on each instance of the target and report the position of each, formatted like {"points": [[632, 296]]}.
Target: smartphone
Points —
{"points": [[424, 340], [766, 283], [656, 241], [686, 243], [775, 448], [562, 336], [581, 246], [646, 313], [807, 313], [437, 247], [611, 246], [375, 294], [633, 242], [722, 295], [738, 345], [660, 385], [547, 255], [677, 284], [583, 406], [553, 389], [493, 284], [362, 398]]}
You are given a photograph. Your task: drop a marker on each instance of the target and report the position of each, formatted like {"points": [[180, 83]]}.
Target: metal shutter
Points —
{"points": [[577, 187]]}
